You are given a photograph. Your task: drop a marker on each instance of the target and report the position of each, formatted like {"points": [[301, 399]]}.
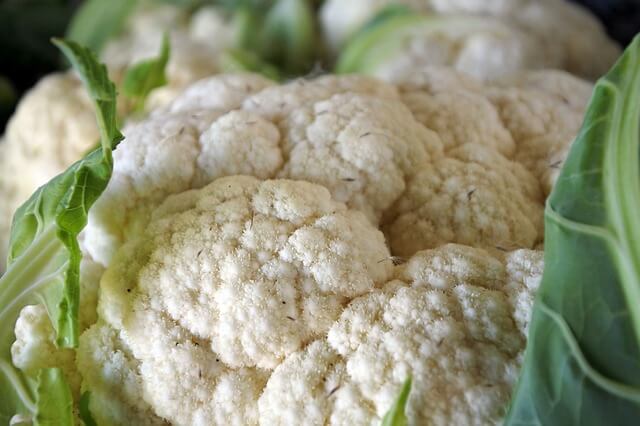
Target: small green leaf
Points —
{"points": [[240, 60], [44, 255], [141, 78], [84, 411], [53, 399], [396, 415], [96, 21], [288, 36], [387, 13]]}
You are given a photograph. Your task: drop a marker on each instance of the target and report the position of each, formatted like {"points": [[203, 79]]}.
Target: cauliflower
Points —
{"points": [[283, 253], [487, 39]]}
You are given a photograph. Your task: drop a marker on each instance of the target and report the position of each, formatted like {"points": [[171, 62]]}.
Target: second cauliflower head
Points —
{"points": [[54, 125]]}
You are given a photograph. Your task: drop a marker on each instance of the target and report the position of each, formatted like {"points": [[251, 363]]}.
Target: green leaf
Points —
{"points": [[44, 256], [141, 78], [240, 60], [288, 36], [96, 21], [84, 411], [387, 13], [54, 403], [396, 415], [582, 363]]}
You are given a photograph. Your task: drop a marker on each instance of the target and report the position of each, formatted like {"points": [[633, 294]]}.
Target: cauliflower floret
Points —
{"points": [[35, 341], [452, 329], [523, 34], [184, 295], [461, 117], [35, 348], [475, 197], [111, 373], [543, 120], [361, 148], [350, 134], [531, 118]]}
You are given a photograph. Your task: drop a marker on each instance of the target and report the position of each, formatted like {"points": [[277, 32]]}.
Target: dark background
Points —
{"points": [[26, 26], [621, 17]]}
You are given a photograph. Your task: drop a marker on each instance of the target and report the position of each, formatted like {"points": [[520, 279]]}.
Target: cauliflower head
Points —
{"points": [[292, 253], [488, 39]]}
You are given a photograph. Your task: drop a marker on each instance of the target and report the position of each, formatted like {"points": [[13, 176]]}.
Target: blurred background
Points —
{"points": [[26, 27]]}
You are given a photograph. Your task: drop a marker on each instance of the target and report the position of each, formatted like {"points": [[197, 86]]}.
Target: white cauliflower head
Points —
{"points": [[264, 299], [488, 39], [227, 281]]}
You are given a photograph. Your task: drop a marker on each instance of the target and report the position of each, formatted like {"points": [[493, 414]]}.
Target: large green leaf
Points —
{"points": [[44, 256], [582, 364]]}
